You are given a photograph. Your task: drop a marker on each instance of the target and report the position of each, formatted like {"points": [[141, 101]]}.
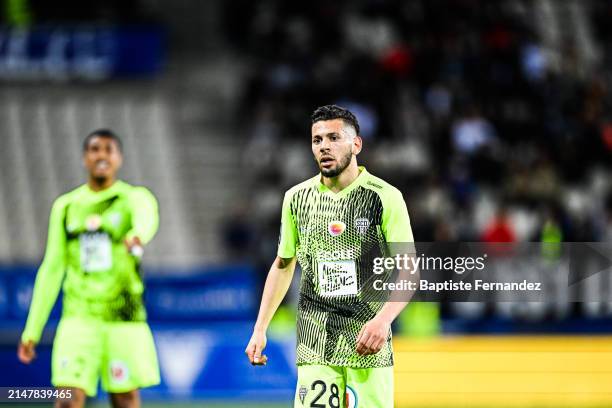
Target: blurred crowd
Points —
{"points": [[492, 117]]}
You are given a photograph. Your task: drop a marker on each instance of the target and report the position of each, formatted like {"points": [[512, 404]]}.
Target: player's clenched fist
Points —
{"points": [[255, 347], [372, 336], [26, 352]]}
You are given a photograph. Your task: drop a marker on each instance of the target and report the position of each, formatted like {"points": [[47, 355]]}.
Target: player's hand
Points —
{"points": [[255, 347], [26, 352], [134, 246], [372, 336]]}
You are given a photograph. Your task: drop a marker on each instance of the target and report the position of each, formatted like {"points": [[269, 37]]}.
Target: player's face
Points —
{"points": [[102, 158], [333, 145]]}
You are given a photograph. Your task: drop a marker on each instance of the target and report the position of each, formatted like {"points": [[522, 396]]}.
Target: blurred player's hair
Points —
{"points": [[106, 133], [331, 112]]}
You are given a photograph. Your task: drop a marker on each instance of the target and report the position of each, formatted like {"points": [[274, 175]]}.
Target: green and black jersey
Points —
{"points": [[86, 255], [335, 237]]}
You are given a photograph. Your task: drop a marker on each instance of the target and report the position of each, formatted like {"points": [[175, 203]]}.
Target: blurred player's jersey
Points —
{"points": [[335, 237], [87, 230]]}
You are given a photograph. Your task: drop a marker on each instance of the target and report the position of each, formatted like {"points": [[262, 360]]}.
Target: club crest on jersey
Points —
{"points": [[351, 397], [362, 225], [115, 218], [336, 228], [302, 393]]}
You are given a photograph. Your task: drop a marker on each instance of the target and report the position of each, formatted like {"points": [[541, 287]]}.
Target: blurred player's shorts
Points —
{"points": [[121, 354]]}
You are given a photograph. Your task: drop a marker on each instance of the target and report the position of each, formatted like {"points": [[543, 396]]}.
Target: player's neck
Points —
{"points": [[342, 180], [100, 184]]}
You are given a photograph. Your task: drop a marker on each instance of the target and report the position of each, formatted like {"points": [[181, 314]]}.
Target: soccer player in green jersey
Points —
{"points": [[334, 224], [96, 234]]}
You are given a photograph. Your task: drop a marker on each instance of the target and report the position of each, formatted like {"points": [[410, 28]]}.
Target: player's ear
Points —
{"points": [[357, 145]]}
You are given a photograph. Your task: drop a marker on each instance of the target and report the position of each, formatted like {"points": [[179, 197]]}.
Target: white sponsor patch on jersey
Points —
{"points": [[96, 252], [337, 278]]}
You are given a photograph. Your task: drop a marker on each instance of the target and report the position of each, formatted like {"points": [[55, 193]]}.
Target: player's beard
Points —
{"points": [[343, 163]]}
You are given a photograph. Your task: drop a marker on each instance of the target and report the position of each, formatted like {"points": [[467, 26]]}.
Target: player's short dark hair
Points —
{"points": [[107, 133], [331, 112]]}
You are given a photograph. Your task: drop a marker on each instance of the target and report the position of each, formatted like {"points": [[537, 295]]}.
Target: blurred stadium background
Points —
{"points": [[493, 117]]}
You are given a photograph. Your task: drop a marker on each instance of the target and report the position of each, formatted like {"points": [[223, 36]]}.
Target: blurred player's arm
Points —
{"points": [[145, 218], [48, 283], [277, 284], [398, 235]]}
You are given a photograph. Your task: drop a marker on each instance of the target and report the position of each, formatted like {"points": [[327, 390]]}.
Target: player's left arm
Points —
{"points": [[398, 235], [145, 217]]}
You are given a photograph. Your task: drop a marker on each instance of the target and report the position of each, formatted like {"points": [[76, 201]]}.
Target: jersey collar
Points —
{"points": [[363, 173], [108, 191]]}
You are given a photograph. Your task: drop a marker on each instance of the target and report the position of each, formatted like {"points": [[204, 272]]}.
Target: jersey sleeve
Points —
{"points": [[395, 220], [50, 275], [287, 241], [145, 214]]}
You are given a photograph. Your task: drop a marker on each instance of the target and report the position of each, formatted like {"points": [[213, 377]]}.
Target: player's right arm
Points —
{"points": [[48, 283], [277, 283], [276, 287]]}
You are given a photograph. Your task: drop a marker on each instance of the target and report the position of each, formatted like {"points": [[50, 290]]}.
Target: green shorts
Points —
{"points": [[122, 354], [321, 386]]}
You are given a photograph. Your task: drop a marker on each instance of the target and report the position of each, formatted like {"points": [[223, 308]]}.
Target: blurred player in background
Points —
{"points": [[96, 233], [331, 223]]}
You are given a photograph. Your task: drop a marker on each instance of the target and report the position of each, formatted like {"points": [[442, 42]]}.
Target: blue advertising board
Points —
{"points": [[217, 295], [83, 52], [200, 362]]}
